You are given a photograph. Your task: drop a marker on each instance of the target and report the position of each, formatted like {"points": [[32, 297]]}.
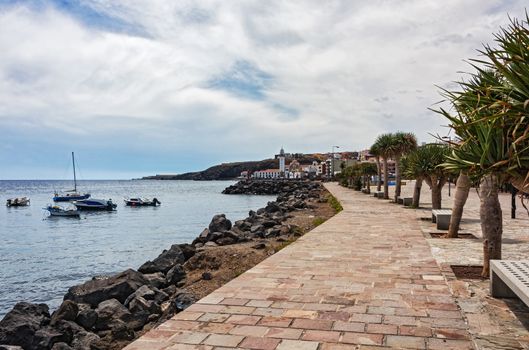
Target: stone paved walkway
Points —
{"points": [[365, 279]]}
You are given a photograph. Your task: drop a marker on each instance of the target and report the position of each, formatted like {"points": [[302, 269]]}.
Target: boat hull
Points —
{"points": [[70, 198], [18, 202], [63, 212], [95, 205]]}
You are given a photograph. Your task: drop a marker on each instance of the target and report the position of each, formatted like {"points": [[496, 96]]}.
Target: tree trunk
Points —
{"points": [[491, 221], [397, 178], [379, 180], [436, 186], [417, 193], [368, 184], [460, 198], [386, 176]]}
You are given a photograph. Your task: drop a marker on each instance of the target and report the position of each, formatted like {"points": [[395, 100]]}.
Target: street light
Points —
{"points": [[332, 161], [449, 138]]}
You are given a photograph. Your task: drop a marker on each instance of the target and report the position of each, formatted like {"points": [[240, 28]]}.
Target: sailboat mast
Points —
{"points": [[74, 177]]}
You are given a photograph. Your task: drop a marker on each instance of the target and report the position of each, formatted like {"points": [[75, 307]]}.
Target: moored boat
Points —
{"points": [[72, 195], [142, 202], [56, 210], [95, 204], [18, 202]]}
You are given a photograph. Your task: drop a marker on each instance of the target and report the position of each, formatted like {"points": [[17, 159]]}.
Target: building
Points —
{"points": [[267, 174], [281, 158]]}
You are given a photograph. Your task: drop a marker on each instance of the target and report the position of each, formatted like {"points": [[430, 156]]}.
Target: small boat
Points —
{"points": [[18, 202], [95, 204], [56, 210], [71, 195], [142, 202]]}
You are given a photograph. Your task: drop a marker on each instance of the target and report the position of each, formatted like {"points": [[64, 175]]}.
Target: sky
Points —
{"points": [[154, 87]]}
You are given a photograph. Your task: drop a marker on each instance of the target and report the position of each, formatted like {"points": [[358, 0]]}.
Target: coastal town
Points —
{"points": [[364, 186]]}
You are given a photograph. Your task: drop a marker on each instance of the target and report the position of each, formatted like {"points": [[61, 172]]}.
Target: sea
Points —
{"points": [[42, 256]]}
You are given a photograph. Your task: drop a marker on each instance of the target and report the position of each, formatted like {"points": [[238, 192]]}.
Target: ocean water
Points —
{"points": [[40, 257]]}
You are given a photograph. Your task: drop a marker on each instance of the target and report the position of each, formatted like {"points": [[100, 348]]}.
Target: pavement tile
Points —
{"points": [[297, 345], [321, 336], [259, 343], [223, 340]]}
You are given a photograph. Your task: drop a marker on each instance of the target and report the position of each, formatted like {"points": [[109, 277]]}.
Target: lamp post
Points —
{"points": [[449, 138], [332, 162]]}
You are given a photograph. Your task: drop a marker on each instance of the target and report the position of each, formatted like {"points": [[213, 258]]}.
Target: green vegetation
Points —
{"points": [[317, 221], [335, 204]]}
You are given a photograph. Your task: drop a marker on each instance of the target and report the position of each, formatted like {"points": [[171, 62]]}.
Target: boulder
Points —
{"points": [[86, 317], [21, 324], [165, 261], [10, 347], [259, 246], [226, 241], [117, 287], [210, 244], [188, 250], [206, 276], [108, 312], [86, 341], [67, 311], [156, 279], [61, 346], [148, 293], [176, 275], [219, 223]]}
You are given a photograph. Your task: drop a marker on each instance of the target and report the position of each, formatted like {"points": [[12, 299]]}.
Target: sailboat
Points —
{"points": [[71, 195]]}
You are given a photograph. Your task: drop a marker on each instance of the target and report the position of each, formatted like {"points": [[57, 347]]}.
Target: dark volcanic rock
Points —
{"points": [[176, 274], [119, 287], [67, 311], [219, 223], [21, 324], [165, 261], [86, 317], [109, 311]]}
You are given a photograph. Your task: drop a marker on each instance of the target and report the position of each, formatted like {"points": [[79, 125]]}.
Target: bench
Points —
{"points": [[510, 279], [442, 218], [407, 201], [378, 194]]}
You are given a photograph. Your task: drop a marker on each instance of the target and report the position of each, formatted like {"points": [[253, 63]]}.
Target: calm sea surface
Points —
{"points": [[40, 257]]}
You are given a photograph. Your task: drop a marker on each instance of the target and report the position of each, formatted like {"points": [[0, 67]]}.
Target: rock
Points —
{"points": [[61, 346], [10, 347], [176, 274], [257, 228], [269, 223], [156, 279], [67, 311], [183, 300], [188, 250], [219, 223], [121, 331], [170, 290], [165, 261], [210, 244], [259, 246], [109, 311], [85, 341], [272, 207], [86, 318], [206, 276], [118, 287], [21, 324], [225, 241]]}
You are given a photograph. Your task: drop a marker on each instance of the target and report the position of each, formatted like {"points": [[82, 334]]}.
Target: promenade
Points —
{"points": [[364, 279]]}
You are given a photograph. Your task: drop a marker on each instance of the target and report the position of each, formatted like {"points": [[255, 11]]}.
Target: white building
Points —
{"points": [[266, 174], [281, 157]]}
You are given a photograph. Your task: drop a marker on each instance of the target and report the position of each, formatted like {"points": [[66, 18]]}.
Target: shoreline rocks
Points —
{"points": [[108, 312]]}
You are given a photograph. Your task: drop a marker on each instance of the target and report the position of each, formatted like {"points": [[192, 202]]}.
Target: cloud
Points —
{"points": [[229, 80]]}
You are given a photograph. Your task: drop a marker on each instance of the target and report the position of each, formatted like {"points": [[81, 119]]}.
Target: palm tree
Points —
{"points": [[404, 142], [460, 198], [493, 126], [423, 164], [386, 146], [368, 169], [375, 151]]}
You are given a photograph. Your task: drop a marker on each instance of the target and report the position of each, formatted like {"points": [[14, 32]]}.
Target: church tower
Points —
{"points": [[282, 161]]}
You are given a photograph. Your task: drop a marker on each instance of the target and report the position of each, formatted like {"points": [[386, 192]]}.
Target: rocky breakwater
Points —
{"points": [[108, 312]]}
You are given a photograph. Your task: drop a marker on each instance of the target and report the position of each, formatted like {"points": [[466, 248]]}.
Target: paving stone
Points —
{"points": [[361, 280]]}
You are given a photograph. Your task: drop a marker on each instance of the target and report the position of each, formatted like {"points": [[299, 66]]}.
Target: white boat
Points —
{"points": [[141, 202], [56, 210], [71, 195], [95, 204], [18, 202]]}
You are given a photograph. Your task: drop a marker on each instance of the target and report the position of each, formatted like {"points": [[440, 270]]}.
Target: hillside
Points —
{"points": [[227, 171]]}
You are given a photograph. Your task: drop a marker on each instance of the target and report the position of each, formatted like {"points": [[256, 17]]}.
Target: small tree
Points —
{"points": [[386, 148], [403, 143], [423, 164], [368, 169], [375, 151]]}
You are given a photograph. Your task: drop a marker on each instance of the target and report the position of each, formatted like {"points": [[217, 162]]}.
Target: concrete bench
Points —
{"points": [[407, 201], [378, 194], [510, 279], [442, 218]]}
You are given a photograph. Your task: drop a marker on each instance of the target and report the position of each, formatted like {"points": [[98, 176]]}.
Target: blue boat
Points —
{"points": [[71, 195]]}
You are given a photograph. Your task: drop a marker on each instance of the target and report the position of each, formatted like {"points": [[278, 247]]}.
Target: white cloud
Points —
{"points": [[349, 70]]}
